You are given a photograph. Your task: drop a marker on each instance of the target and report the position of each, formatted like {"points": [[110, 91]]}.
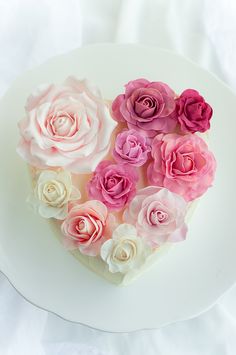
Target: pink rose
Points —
{"points": [[66, 125], [158, 215], [193, 112], [87, 226], [131, 148], [182, 164], [146, 106], [113, 184]]}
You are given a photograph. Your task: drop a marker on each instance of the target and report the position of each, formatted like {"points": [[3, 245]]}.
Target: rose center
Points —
{"points": [[50, 189], [132, 143], [122, 255], [53, 193], [83, 226], [184, 164], [129, 146], [188, 163], [111, 182], [50, 193], [145, 106], [158, 217], [147, 101], [62, 124], [125, 251]]}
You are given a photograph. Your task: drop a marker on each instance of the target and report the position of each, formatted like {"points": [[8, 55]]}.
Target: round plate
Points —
{"points": [[191, 276]]}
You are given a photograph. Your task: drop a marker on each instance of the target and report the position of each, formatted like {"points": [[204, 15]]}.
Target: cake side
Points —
{"points": [[97, 265]]}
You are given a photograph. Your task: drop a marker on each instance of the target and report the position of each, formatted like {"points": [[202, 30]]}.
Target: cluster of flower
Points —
{"points": [[155, 164]]}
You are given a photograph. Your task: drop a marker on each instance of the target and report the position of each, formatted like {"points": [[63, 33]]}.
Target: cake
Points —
{"points": [[117, 178]]}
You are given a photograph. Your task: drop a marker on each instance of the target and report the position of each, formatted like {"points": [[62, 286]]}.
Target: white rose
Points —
{"points": [[125, 251], [52, 192]]}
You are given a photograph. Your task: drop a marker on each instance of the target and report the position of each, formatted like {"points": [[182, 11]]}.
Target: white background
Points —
{"points": [[31, 32]]}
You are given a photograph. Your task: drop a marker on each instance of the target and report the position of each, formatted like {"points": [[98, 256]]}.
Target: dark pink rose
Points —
{"points": [[193, 112], [113, 184], [146, 106], [181, 163], [131, 148]]}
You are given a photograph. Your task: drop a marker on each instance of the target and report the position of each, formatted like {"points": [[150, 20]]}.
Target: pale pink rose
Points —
{"points": [[131, 148], [146, 106], [158, 215], [113, 184], [183, 164], [67, 126], [87, 226]]}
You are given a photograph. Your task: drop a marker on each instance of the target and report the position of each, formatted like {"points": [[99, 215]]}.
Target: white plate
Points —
{"points": [[191, 276]]}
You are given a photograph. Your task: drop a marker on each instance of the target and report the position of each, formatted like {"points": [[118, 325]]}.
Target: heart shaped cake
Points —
{"points": [[118, 180]]}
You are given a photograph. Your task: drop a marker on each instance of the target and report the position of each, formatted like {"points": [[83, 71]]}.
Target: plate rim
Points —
{"points": [[166, 324]]}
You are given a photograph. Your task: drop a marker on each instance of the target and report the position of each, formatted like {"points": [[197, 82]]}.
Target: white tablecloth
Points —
{"points": [[31, 32]]}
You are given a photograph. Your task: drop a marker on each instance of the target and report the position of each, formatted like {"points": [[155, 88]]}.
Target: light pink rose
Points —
{"points": [[113, 184], [131, 148], [67, 126], [183, 164], [87, 226], [158, 215], [146, 106]]}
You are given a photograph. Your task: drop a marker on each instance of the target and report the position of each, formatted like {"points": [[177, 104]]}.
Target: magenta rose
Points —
{"points": [[193, 112], [113, 184], [181, 163], [158, 215], [87, 226], [146, 106], [131, 148]]}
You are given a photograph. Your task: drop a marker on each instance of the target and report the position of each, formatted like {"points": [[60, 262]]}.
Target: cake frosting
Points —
{"points": [[118, 180]]}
